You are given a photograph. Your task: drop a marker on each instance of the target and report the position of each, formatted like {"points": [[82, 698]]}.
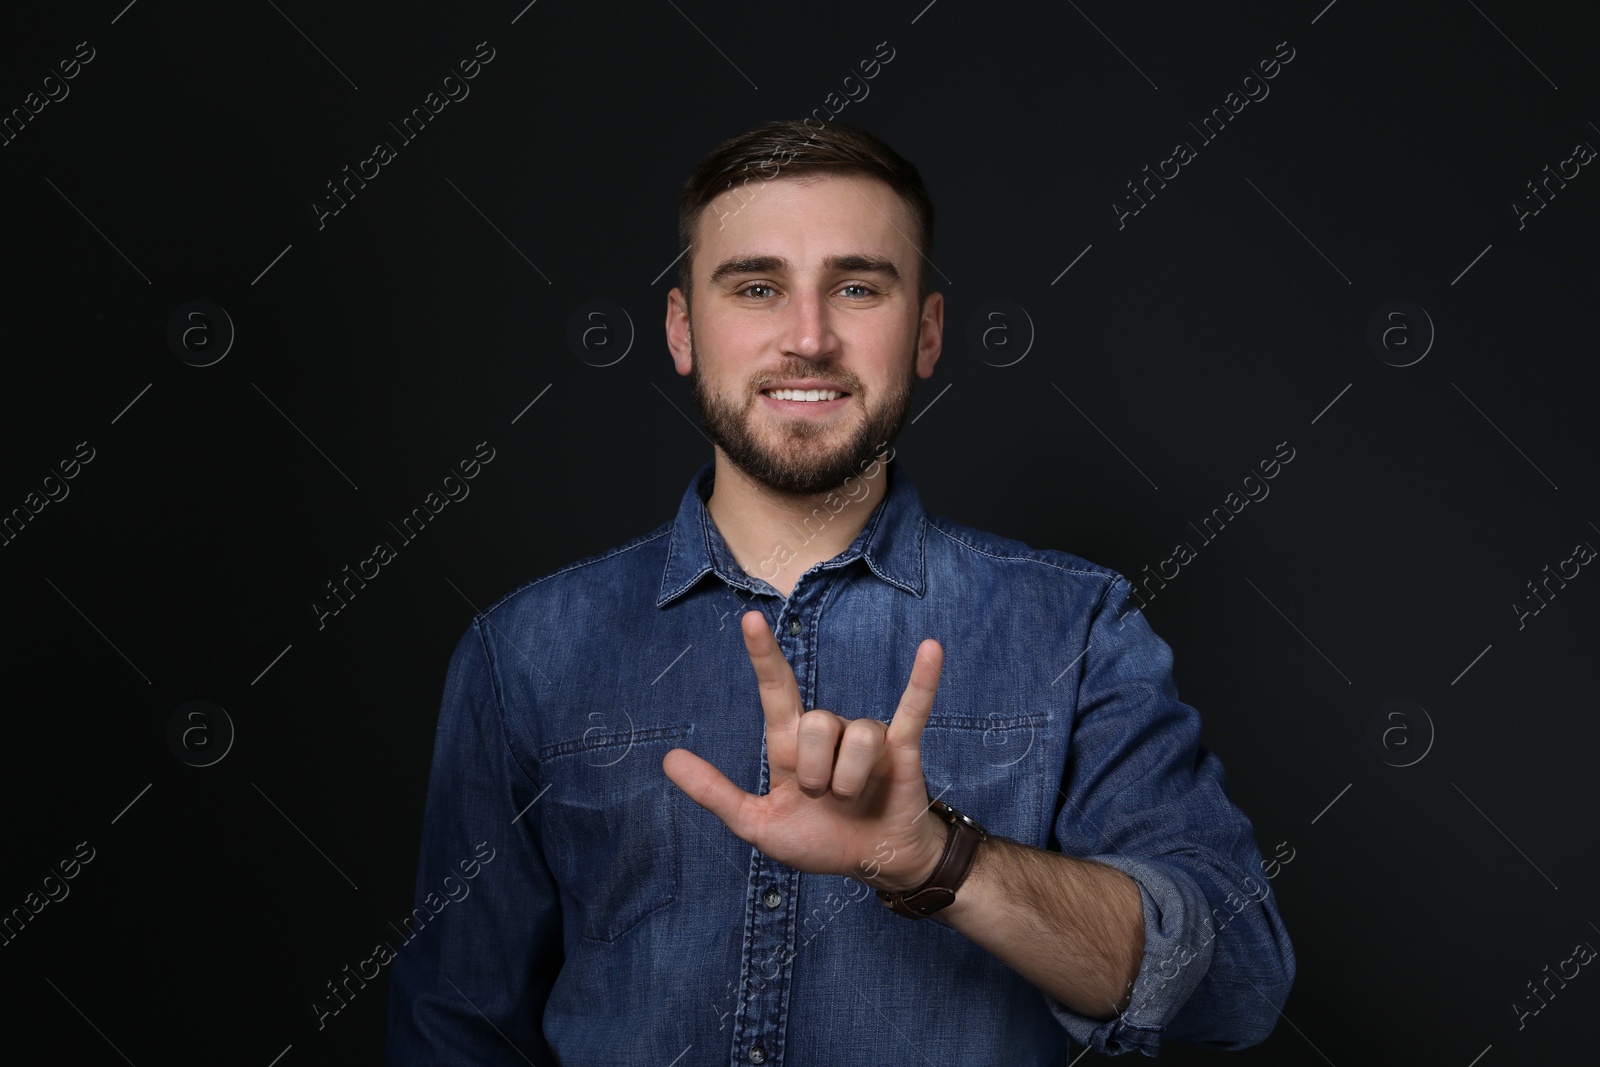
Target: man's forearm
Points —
{"points": [[1071, 927]]}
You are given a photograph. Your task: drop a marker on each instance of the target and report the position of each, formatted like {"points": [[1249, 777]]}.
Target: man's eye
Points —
{"points": [[855, 285], [754, 285]]}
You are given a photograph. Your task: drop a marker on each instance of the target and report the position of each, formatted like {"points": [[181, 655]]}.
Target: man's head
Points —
{"points": [[806, 263]]}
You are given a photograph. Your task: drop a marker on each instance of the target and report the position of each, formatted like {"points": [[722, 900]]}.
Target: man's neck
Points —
{"points": [[778, 537]]}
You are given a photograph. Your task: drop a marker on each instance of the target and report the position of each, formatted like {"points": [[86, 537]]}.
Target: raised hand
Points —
{"points": [[846, 796]]}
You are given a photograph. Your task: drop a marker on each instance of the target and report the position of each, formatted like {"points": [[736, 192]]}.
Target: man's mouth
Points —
{"points": [[811, 396]]}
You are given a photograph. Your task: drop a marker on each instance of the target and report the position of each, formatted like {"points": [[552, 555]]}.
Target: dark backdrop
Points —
{"points": [[1343, 269]]}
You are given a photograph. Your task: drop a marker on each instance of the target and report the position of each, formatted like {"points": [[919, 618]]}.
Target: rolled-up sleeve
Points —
{"points": [[1141, 793], [469, 983]]}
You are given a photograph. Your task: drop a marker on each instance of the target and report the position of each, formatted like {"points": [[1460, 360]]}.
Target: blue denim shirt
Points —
{"points": [[617, 922]]}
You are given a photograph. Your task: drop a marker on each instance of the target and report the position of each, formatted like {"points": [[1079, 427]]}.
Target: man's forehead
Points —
{"points": [[865, 218]]}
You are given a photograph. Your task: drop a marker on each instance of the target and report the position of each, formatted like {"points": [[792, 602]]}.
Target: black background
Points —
{"points": [[1179, 350]]}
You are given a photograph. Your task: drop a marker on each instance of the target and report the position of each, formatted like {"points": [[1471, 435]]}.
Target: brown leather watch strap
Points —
{"points": [[939, 890]]}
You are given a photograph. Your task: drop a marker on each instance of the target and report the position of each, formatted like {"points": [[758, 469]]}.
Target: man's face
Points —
{"points": [[810, 281]]}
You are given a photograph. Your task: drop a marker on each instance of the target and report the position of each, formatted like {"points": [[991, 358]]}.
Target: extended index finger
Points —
{"points": [[916, 704], [780, 693]]}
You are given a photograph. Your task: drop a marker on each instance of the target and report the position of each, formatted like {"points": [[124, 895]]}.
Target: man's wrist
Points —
{"points": [[963, 838], [942, 831]]}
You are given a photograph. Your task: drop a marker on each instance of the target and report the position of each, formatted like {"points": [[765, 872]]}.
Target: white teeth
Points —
{"points": [[804, 394]]}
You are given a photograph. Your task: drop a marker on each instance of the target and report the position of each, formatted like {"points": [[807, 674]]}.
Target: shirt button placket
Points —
{"points": [[758, 1054]]}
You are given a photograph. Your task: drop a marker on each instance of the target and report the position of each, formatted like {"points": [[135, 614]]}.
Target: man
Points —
{"points": [[706, 760]]}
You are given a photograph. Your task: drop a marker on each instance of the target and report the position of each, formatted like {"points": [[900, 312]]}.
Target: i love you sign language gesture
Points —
{"points": [[846, 796]]}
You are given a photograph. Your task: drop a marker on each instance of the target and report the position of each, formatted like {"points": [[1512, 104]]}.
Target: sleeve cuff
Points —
{"points": [[1177, 951]]}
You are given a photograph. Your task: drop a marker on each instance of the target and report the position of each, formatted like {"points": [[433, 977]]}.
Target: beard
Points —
{"points": [[803, 461]]}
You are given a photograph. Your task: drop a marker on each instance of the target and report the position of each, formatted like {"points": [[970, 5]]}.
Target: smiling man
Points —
{"points": [[734, 765]]}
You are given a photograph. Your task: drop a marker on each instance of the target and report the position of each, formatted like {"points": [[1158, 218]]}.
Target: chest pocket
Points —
{"points": [[993, 769], [612, 825]]}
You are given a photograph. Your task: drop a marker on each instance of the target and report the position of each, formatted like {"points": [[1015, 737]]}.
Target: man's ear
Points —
{"points": [[678, 337], [930, 338]]}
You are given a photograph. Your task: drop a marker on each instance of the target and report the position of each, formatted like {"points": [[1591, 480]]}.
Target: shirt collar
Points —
{"points": [[891, 542]]}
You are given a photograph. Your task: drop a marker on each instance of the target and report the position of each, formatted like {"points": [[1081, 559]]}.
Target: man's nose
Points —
{"points": [[809, 325]]}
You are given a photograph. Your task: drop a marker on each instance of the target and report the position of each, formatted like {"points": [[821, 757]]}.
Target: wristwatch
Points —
{"points": [[939, 890]]}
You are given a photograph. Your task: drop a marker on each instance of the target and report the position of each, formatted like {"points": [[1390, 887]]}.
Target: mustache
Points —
{"points": [[844, 383]]}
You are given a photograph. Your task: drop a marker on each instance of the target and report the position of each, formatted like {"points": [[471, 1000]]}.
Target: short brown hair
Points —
{"points": [[789, 148]]}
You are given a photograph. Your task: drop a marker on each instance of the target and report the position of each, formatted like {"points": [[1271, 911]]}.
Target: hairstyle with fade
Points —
{"points": [[788, 149]]}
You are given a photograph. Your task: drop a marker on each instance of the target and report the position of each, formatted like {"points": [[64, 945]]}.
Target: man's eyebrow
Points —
{"points": [[853, 262]]}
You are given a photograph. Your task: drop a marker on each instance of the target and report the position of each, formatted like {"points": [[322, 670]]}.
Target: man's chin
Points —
{"points": [[822, 475]]}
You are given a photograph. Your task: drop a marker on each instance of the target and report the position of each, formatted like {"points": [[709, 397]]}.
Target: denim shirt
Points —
{"points": [[617, 922]]}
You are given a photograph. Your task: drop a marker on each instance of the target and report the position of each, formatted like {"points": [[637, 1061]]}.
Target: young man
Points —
{"points": [[704, 761]]}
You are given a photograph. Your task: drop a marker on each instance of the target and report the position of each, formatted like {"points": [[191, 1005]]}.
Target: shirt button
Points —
{"points": [[773, 898], [758, 1054], [794, 627]]}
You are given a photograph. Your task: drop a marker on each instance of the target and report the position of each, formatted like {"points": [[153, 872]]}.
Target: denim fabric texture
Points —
{"points": [[620, 923]]}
